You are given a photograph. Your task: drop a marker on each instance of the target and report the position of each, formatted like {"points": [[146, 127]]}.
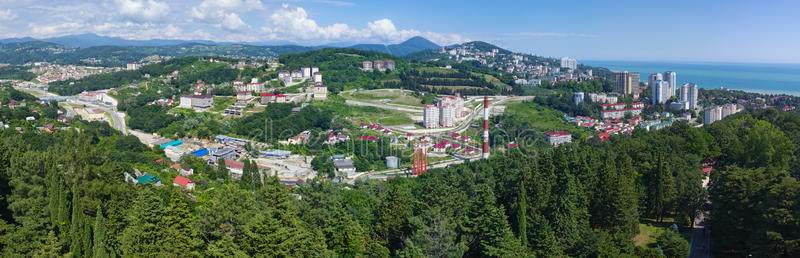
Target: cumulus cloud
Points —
{"points": [[7, 15], [54, 30], [142, 11], [224, 13], [295, 24]]}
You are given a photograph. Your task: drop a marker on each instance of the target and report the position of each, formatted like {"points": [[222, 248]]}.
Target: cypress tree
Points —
{"points": [[246, 181], [76, 227], [86, 237], [99, 248]]}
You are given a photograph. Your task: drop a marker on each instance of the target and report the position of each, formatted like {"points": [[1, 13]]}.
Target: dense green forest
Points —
{"points": [[14, 72], [117, 56], [66, 194]]}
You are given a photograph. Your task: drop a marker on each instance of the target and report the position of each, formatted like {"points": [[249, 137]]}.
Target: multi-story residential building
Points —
{"points": [[578, 98], [379, 65], [314, 69], [317, 77], [653, 77], [133, 66], [297, 74], [431, 116], [660, 92], [196, 101], [671, 78], [320, 91], [716, 113], [447, 115], [569, 63], [366, 66], [558, 138], [627, 83], [306, 71], [604, 98], [618, 110], [390, 64], [284, 75], [689, 93]]}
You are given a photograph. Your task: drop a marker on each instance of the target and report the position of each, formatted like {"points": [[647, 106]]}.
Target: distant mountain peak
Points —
{"points": [[411, 45]]}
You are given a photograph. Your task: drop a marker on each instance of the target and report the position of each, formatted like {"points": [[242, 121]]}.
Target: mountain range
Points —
{"points": [[411, 45]]}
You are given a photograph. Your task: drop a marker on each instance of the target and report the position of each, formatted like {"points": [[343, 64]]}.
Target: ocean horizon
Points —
{"points": [[766, 78]]}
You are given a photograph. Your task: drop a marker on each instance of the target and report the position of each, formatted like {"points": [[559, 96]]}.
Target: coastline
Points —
{"points": [[781, 78]]}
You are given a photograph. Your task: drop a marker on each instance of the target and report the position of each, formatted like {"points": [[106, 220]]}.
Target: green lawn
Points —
{"points": [[373, 115], [221, 103], [543, 119], [649, 230], [397, 97]]}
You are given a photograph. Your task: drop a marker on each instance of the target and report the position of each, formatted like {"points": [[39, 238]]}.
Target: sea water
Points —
{"points": [[752, 77]]}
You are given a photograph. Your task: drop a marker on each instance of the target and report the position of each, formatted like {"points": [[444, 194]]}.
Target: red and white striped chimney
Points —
{"points": [[485, 154]]}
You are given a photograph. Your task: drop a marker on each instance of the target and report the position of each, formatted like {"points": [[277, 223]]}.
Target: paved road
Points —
{"points": [[118, 118], [701, 234]]}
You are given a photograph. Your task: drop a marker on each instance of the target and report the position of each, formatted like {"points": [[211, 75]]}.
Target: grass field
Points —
{"points": [[543, 119], [394, 96], [436, 69], [373, 115], [221, 103], [649, 230]]}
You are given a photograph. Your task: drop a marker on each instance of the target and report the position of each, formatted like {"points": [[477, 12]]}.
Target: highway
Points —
{"points": [[118, 118]]}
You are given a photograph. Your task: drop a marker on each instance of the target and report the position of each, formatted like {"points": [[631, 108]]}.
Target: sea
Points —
{"points": [[752, 77]]}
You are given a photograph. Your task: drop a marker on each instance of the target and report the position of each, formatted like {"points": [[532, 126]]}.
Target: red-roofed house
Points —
{"points": [[604, 136], [183, 182], [440, 147], [368, 138]]}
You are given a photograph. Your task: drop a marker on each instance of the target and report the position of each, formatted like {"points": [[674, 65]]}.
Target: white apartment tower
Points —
{"points": [[689, 94], [671, 77], [570, 63], [660, 92], [431, 117], [447, 115]]}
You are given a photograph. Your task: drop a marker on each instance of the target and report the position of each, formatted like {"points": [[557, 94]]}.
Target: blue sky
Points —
{"points": [[725, 31]]}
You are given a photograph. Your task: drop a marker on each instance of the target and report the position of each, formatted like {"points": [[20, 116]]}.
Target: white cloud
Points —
{"points": [[295, 24], [7, 15], [225, 13], [385, 29], [61, 29], [142, 11]]}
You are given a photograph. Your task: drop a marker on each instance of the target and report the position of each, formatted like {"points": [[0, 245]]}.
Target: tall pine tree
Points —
{"points": [[99, 247]]}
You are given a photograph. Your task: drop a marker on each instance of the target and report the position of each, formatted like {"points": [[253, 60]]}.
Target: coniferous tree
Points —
{"points": [[522, 215], [99, 240], [180, 237], [144, 235], [76, 227]]}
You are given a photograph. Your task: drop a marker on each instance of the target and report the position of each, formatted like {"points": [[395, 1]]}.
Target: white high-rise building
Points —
{"points": [[570, 63], [660, 92], [672, 78], [306, 72], [578, 97], [431, 117], [447, 115], [689, 94], [652, 78]]}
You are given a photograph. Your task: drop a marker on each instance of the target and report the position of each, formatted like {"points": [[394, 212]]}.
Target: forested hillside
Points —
{"points": [[69, 196], [116, 56]]}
